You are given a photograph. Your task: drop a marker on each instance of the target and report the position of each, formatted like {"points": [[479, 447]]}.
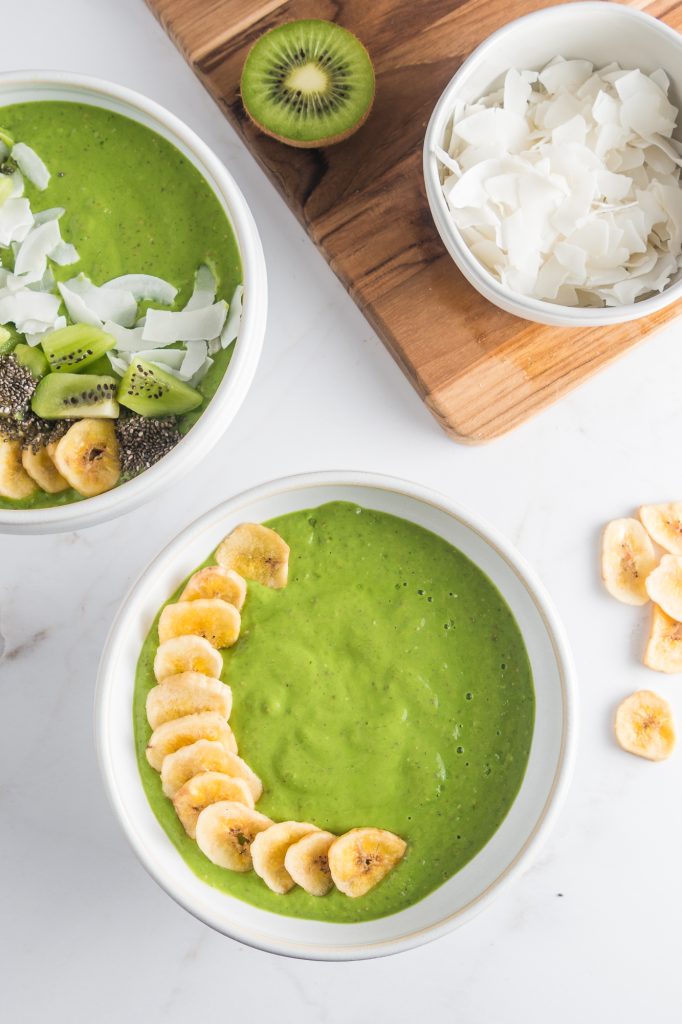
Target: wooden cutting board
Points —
{"points": [[479, 370]]}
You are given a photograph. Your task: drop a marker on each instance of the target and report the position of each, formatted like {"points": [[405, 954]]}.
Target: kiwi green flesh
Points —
{"points": [[33, 359], [150, 391], [72, 348], [308, 83], [75, 396]]}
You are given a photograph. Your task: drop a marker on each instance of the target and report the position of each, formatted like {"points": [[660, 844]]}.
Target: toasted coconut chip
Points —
{"points": [[30, 165], [29, 311], [16, 220], [144, 287], [204, 289], [164, 327], [231, 329]]}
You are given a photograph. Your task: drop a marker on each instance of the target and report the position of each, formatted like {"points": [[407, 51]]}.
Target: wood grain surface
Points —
{"points": [[479, 370]]}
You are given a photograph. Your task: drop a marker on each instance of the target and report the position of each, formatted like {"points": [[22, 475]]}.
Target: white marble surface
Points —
{"points": [[591, 932]]}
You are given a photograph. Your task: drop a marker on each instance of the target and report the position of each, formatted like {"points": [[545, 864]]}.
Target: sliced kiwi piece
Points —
{"points": [[75, 396], [33, 359], [70, 349], [8, 340], [150, 391], [308, 83]]}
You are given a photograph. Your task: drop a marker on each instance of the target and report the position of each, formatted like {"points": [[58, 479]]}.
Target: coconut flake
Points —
{"points": [[128, 339], [16, 220], [164, 327], [565, 183], [144, 287], [76, 308], [204, 289], [231, 329], [31, 258], [194, 358], [53, 213], [28, 310], [64, 254], [103, 303], [30, 165]]}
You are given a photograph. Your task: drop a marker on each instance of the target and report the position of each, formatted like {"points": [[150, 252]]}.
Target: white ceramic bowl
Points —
{"points": [[599, 32], [23, 86], [505, 855]]}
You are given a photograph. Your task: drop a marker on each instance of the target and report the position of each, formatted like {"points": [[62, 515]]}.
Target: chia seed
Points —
{"points": [[144, 440], [17, 385]]}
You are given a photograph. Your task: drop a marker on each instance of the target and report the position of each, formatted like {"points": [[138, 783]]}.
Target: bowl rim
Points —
{"points": [[528, 307], [566, 756], [235, 383]]}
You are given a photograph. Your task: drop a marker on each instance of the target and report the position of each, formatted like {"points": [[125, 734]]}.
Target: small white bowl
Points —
{"points": [[599, 32], [25, 86], [503, 858]]}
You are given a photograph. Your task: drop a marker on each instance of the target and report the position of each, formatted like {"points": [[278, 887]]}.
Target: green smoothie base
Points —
{"points": [[387, 685], [134, 205]]}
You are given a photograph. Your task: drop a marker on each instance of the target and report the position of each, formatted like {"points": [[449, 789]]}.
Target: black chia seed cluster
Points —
{"points": [[143, 440], [17, 385]]}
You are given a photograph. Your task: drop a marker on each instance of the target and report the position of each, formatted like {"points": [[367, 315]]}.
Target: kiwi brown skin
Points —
{"points": [[331, 140]]}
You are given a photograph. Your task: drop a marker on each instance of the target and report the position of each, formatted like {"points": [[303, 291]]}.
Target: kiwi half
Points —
{"points": [[308, 83], [74, 396]]}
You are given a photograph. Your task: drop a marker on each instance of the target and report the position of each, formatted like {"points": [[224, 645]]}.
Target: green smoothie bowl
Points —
{"points": [[335, 717], [133, 299]]}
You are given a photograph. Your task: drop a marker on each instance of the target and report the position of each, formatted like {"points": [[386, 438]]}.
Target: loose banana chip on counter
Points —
{"points": [[644, 726], [269, 850], [215, 620], [187, 694], [664, 648], [225, 832], [180, 732], [664, 524], [627, 559], [307, 861], [15, 482], [205, 756], [41, 468], [88, 457], [205, 789], [257, 553], [214, 581], [187, 654], [359, 859], [664, 586]]}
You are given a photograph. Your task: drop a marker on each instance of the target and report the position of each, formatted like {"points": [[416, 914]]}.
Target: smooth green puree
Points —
{"points": [[388, 685], [134, 205]]}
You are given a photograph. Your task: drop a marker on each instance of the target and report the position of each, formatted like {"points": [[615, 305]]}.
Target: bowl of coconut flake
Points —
{"points": [[552, 164]]}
